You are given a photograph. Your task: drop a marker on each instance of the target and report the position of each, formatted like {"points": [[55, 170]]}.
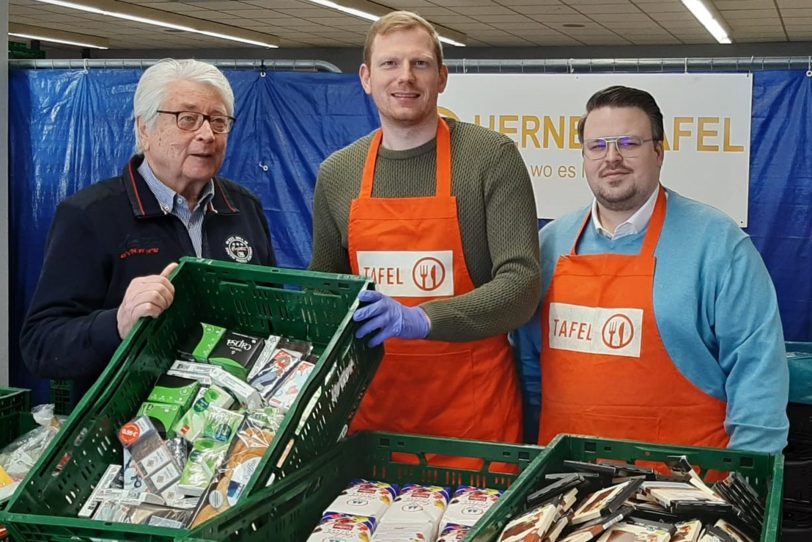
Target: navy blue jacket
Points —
{"points": [[102, 238]]}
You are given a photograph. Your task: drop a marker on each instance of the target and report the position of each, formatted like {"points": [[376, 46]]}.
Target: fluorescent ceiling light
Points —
{"points": [[372, 12], [57, 36], [141, 14], [704, 15], [352, 11]]}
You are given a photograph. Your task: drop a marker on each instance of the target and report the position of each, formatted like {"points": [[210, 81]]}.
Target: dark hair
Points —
{"points": [[620, 96]]}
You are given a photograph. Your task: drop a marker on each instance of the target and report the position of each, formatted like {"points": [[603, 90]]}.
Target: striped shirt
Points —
{"points": [[173, 203]]}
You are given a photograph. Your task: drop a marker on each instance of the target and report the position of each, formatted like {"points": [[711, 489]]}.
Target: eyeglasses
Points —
{"points": [[626, 146], [190, 121]]}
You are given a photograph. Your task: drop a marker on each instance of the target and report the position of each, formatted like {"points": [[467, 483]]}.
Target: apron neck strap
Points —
{"points": [[443, 141], [655, 227]]}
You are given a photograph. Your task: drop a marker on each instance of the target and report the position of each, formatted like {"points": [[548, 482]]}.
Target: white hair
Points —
{"points": [[151, 90]]}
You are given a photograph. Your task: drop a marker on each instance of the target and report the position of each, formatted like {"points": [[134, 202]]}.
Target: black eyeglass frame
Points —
{"points": [[201, 118]]}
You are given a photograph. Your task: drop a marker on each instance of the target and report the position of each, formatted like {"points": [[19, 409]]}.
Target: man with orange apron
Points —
{"points": [[441, 215], [659, 321]]}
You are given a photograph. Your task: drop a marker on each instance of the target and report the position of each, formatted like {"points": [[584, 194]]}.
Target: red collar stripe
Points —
{"points": [[225, 196], [135, 188]]}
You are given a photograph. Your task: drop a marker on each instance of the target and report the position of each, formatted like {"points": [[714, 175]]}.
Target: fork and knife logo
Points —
{"points": [[428, 273], [618, 331]]}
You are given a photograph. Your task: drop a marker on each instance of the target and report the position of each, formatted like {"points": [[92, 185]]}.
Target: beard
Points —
{"points": [[625, 198]]}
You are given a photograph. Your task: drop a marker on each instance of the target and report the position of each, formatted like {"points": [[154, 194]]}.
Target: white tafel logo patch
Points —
{"points": [[409, 273], [595, 330]]}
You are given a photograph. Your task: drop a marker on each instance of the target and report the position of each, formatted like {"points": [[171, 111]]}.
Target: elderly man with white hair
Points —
{"points": [[113, 244]]}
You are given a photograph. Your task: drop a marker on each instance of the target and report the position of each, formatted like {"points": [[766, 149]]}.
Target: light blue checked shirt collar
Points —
{"points": [[173, 203]]}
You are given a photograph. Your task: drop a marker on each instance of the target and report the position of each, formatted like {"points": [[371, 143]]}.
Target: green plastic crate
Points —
{"points": [[252, 299], [288, 511], [764, 472], [799, 359], [60, 393], [13, 400], [15, 417]]}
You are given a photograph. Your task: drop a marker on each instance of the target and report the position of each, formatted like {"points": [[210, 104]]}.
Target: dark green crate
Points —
{"points": [[799, 360], [60, 393], [15, 416], [289, 510], [252, 299], [764, 472], [13, 400], [14, 425]]}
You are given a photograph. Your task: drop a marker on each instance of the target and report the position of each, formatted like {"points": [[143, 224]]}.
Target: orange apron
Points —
{"points": [[412, 247], [605, 370]]}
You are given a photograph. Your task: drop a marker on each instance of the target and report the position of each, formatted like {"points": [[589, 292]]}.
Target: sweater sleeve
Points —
{"points": [[329, 253], [67, 334], [526, 343], [752, 354], [508, 300]]}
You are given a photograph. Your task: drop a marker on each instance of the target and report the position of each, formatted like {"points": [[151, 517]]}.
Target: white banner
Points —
{"points": [[706, 118]]}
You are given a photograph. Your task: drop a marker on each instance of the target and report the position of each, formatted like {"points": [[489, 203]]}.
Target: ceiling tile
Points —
{"points": [[300, 23], [742, 4]]}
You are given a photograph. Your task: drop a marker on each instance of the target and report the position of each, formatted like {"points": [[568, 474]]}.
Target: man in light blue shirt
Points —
{"points": [[658, 319]]}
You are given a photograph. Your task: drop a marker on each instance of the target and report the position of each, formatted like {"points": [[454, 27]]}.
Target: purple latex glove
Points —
{"points": [[390, 317]]}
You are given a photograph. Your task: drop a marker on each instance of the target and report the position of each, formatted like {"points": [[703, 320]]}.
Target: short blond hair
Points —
{"points": [[401, 20]]}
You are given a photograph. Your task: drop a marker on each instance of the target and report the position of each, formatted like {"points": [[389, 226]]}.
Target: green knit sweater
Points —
{"points": [[497, 214]]}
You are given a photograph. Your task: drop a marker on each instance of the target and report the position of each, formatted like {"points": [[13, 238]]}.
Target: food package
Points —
{"points": [[206, 456], [273, 373], [418, 504], [163, 416], [174, 390], [20, 456], [364, 498], [253, 439], [532, 525], [191, 424], [271, 344], [237, 353], [404, 532], [288, 391], [468, 505], [199, 344], [341, 528], [125, 511], [153, 460], [454, 533], [109, 479]]}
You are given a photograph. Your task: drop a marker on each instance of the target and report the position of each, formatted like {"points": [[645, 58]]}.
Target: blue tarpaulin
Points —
{"points": [[70, 128]]}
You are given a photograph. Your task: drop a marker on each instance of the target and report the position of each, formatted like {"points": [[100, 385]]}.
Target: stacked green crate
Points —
{"points": [[60, 396], [799, 359], [256, 300], [15, 419], [288, 511], [797, 524], [15, 413], [764, 472]]}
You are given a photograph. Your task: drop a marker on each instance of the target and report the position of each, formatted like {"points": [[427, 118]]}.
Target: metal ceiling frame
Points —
{"points": [[262, 65], [630, 65], [517, 65]]}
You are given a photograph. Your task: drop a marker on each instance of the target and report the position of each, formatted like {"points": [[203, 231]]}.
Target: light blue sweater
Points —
{"points": [[716, 310]]}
